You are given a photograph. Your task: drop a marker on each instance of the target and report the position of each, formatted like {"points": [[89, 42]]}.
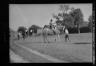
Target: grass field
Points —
{"points": [[79, 49]]}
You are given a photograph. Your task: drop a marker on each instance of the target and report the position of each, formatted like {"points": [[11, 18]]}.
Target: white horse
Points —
{"points": [[55, 29]]}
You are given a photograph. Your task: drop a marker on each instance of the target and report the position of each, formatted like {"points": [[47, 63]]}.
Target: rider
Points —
{"points": [[51, 25]]}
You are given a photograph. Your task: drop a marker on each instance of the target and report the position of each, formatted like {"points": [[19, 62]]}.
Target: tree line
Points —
{"points": [[71, 18]]}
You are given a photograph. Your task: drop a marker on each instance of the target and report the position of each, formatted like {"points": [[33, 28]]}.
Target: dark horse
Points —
{"points": [[21, 32]]}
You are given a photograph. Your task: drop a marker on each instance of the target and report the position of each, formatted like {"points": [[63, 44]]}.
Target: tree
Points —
{"points": [[68, 20], [72, 9], [55, 16], [90, 22], [34, 28], [78, 16], [47, 26], [90, 18], [21, 28], [84, 24], [64, 8]]}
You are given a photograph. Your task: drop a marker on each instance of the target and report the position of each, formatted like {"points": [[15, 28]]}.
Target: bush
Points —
{"points": [[73, 30], [84, 30]]}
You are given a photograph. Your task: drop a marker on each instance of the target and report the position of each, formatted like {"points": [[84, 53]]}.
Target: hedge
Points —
{"points": [[82, 30]]}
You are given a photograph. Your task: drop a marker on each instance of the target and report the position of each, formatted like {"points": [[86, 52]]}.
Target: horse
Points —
{"points": [[55, 29], [27, 33], [21, 32], [30, 32], [19, 35]]}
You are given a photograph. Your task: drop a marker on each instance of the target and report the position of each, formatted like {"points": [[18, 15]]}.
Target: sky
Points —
{"points": [[39, 14]]}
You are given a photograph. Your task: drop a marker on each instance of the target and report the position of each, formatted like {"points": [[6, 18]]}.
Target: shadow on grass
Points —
{"points": [[82, 43], [43, 42]]}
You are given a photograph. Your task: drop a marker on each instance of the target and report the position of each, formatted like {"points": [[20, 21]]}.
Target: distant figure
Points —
{"points": [[21, 32], [66, 34], [19, 35]]}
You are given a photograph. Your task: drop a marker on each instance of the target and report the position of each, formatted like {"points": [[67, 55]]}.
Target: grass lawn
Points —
{"points": [[79, 49]]}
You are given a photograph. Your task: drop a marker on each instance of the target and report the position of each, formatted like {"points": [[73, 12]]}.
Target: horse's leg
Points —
{"points": [[23, 36], [55, 37], [18, 37], [46, 39], [59, 37]]}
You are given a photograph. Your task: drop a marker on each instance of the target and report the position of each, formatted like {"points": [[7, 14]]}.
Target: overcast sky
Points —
{"points": [[39, 14]]}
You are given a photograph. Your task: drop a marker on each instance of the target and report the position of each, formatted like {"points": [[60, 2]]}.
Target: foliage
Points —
{"points": [[84, 29], [72, 30], [72, 19], [78, 16], [59, 22], [55, 16], [75, 30], [64, 8], [84, 24], [72, 9], [90, 18], [68, 21], [47, 26], [22, 28], [90, 22], [34, 28]]}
